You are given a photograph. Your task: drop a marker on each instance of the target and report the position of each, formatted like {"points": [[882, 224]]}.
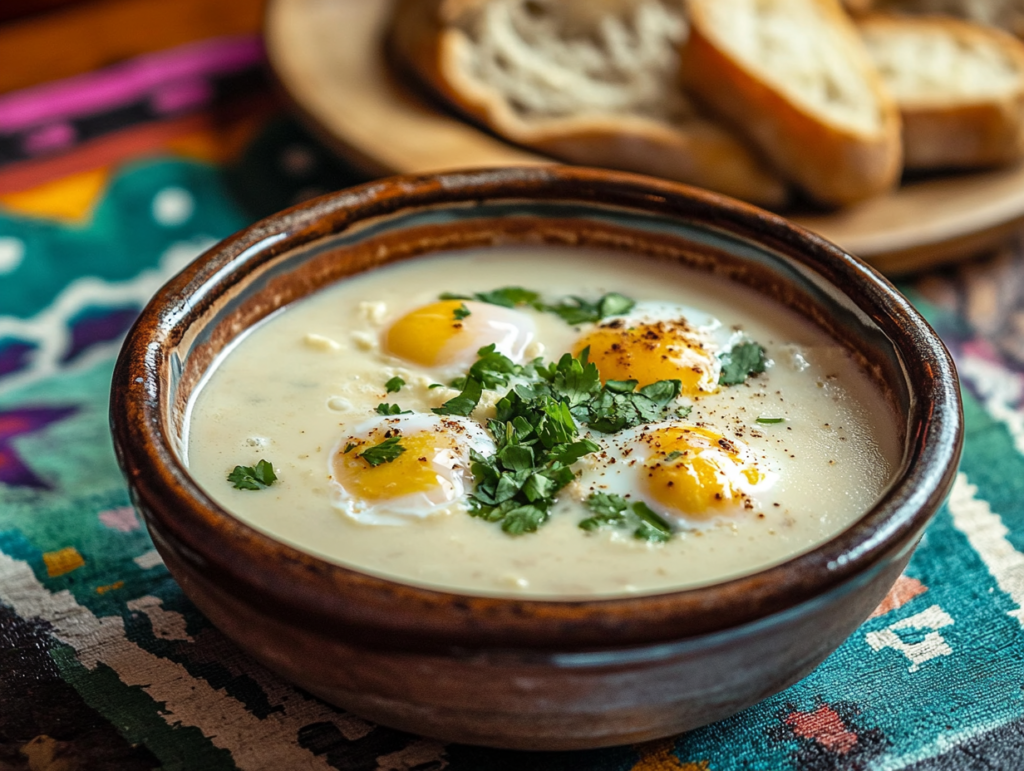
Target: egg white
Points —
{"points": [[509, 330], [451, 466], [619, 468], [705, 331]]}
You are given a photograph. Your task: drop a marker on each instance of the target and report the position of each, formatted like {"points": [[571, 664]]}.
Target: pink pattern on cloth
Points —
{"points": [[114, 86], [55, 136], [122, 518], [903, 591], [825, 727], [181, 95], [981, 348]]}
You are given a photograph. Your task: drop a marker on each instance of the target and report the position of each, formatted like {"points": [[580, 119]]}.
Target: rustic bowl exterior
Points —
{"points": [[512, 672]]}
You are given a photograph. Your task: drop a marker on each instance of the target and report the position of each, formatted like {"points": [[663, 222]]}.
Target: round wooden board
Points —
{"points": [[328, 56]]}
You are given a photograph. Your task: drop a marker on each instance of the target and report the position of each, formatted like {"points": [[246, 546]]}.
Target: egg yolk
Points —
{"points": [[651, 351], [425, 467], [697, 473], [452, 331]]}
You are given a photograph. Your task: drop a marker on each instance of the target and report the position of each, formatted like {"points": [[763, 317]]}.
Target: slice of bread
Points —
{"points": [[795, 77], [591, 82], [1007, 14], [959, 87]]}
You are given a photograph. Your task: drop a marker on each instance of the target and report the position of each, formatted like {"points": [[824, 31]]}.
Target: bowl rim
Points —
{"points": [[188, 527]]}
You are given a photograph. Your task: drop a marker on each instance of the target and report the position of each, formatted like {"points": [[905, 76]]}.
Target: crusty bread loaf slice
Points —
{"points": [[959, 87], [1006, 14], [592, 82], [796, 78]]}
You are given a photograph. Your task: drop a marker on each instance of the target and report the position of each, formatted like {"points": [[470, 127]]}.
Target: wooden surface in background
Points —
{"points": [[87, 35]]}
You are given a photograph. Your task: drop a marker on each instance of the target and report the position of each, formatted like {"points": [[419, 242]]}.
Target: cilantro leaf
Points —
{"points": [[255, 477], [507, 297], [462, 312], [391, 409], [654, 528], [573, 310], [662, 392], [463, 404], [614, 304], [743, 360], [492, 368], [770, 421], [570, 453], [608, 510], [394, 385], [576, 380], [615, 511], [523, 519], [616, 408], [577, 310], [516, 457], [349, 447], [646, 532], [385, 452]]}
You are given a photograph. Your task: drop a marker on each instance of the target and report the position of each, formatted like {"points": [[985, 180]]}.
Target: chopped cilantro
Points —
{"points": [[462, 312], [573, 310], [576, 310], [391, 409], [432, 386], [253, 477], [536, 432], [465, 402], [744, 360], [491, 368], [507, 297], [610, 410], [349, 447], [770, 421], [517, 484], [616, 511], [385, 452], [524, 519], [394, 385], [608, 510], [654, 528], [673, 456], [614, 304]]}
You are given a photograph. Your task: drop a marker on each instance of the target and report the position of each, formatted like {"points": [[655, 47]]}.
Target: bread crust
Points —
{"points": [[959, 132], [835, 165], [700, 152]]}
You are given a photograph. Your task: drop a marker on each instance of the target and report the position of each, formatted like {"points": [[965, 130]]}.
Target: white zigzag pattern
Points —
{"points": [[50, 329]]}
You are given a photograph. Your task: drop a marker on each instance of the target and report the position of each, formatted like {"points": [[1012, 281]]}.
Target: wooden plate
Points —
{"points": [[328, 56]]}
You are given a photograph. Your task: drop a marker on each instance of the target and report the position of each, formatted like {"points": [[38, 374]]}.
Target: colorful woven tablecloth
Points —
{"points": [[111, 182]]}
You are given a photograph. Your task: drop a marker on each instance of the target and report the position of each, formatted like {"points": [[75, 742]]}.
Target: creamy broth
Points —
{"points": [[296, 385]]}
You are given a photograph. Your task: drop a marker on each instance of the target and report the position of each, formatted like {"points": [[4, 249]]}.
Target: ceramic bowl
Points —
{"points": [[526, 673]]}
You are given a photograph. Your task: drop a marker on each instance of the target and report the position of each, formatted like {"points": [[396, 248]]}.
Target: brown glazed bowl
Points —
{"points": [[527, 673]]}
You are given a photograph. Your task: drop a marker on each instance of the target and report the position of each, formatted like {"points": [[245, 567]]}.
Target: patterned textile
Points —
{"points": [[112, 182]]}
